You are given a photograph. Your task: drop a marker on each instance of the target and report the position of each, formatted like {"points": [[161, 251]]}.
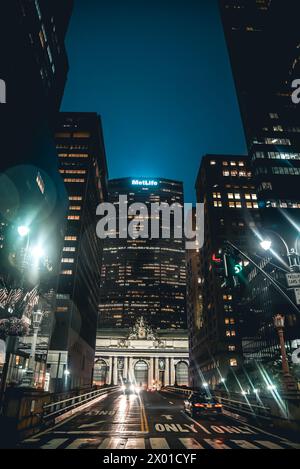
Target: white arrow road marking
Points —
{"points": [[168, 417]]}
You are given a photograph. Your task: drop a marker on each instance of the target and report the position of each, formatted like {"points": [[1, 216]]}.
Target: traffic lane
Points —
{"points": [[165, 414], [208, 433], [168, 418], [114, 414]]}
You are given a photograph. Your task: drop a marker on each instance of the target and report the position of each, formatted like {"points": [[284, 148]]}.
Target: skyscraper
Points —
{"points": [[226, 186], [263, 44], [82, 164], [34, 68], [144, 277]]}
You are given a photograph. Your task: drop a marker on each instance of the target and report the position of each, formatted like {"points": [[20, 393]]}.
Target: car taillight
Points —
{"points": [[218, 405], [199, 405]]}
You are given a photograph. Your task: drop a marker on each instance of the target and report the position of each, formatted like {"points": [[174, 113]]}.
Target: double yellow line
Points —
{"points": [[144, 421]]}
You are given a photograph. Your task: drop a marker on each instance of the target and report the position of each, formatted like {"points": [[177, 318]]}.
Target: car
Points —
{"points": [[130, 388], [198, 404]]}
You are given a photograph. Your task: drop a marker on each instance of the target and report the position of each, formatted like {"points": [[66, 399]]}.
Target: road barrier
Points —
{"points": [[59, 410]]}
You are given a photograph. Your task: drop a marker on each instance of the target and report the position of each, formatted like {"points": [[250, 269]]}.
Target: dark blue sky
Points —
{"points": [[158, 73]]}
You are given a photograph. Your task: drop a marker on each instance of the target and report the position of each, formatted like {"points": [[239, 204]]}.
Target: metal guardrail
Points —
{"points": [[233, 405], [59, 407]]}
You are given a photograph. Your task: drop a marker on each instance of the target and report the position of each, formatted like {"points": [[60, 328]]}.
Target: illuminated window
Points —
{"points": [[213, 163], [40, 183], [73, 180], [231, 348], [75, 197], [233, 362], [67, 260], [81, 135], [70, 238], [73, 217], [67, 272], [74, 207]]}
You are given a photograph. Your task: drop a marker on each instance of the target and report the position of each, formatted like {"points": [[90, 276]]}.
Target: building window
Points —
{"points": [[233, 362], [40, 183], [231, 348], [67, 260], [73, 217], [67, 272], [70, 238]]}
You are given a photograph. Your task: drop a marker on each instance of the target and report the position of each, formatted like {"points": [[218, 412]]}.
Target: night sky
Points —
{"points": [[158, 73]]}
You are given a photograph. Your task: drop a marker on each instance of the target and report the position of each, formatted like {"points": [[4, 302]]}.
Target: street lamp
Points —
{"points": [[279, 326], [37, 317], [266, 244], [292, 253], [23, 231]]}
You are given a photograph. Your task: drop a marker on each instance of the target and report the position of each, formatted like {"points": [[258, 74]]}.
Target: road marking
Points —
{"points": [[87, 425], [260, 430], [170, 402], [268, 444], [110, 443], [196, 423], [245, 444], [168, 417], [135, 443], [159, 443], [190, 443], [78, 442], [216, 444], [291, 444], [53, 444]]}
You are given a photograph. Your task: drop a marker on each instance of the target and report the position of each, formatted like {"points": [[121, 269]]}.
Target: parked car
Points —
{"points": [[198, 404]]}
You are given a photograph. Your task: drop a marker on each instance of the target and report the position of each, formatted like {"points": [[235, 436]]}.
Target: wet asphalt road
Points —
{"points": [[152, 420]]}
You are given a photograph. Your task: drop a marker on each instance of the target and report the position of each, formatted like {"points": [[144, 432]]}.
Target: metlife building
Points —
{"points": [[144, 277]]}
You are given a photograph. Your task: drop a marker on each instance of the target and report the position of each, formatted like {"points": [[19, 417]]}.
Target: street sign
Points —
{"points": [[293, 279], [297, 294]]}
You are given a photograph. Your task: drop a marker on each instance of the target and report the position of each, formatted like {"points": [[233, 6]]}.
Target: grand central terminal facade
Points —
{"points": [[150, 358]]}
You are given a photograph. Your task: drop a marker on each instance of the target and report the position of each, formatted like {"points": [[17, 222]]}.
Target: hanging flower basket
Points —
{"points": [[13, 327]]}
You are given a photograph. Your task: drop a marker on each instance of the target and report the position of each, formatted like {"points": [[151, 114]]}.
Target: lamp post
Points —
{"points": [[292, 253], [279, 326], [28, 379]]}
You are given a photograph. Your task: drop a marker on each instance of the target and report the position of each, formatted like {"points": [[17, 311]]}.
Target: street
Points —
{"points": [[151, 420]]}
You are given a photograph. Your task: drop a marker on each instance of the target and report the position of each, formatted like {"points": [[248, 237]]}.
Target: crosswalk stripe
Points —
{"points": [[291, 444], [190, 443], [135, 443], [216, 444], [159, 443], [110, 443], [78, 442], [268, 444], [54, 444], [245, 444]]}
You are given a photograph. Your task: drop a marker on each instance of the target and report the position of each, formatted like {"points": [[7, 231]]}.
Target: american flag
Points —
{"points": [[14, 296], [3, 296], [32, 297]]}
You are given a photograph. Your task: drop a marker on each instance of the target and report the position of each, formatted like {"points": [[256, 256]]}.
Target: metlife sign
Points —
{"points": [[144, 182]]}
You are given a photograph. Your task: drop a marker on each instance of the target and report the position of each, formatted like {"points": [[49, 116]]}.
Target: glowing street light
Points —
{"points": [[37, 252], [205, 385], [271, 387], [23, 230], [266, 244]]}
